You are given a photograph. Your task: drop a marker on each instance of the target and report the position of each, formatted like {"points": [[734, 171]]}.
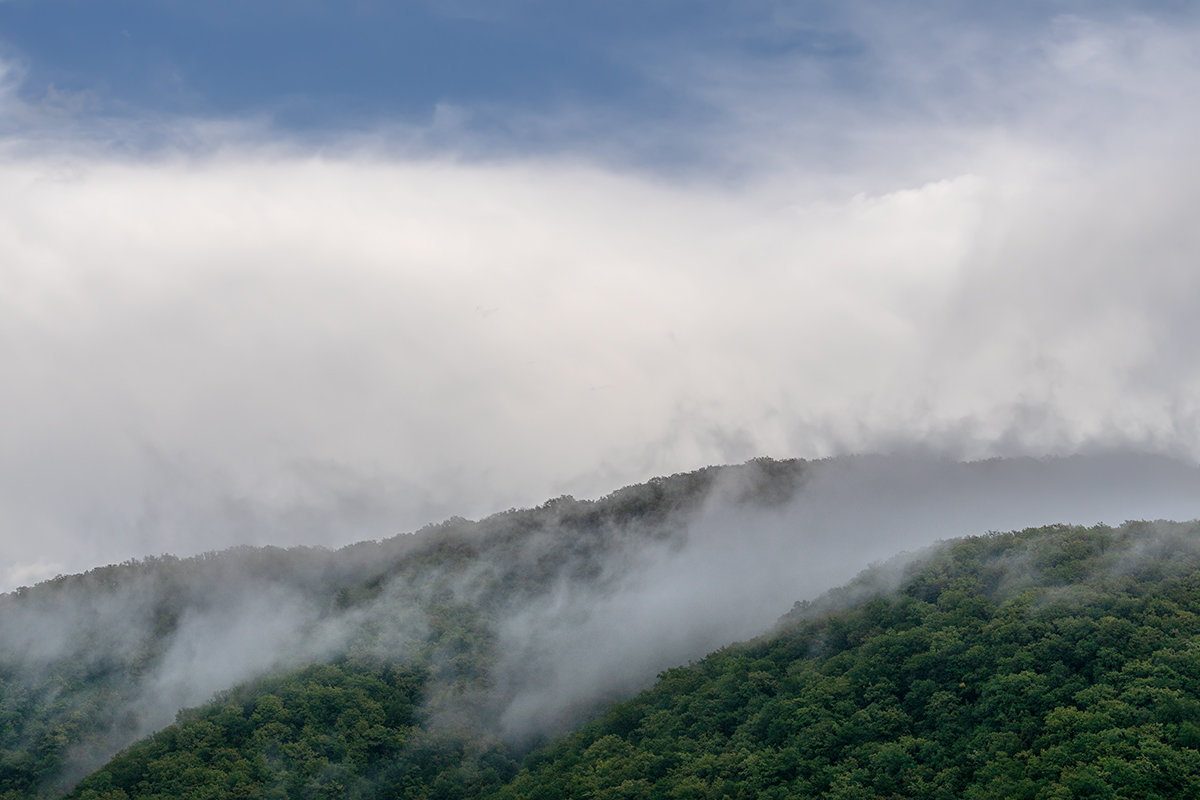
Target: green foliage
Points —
{"points": [[1059, 662], [61, 711], [1048, 663], [318, 733], [334, 731]]}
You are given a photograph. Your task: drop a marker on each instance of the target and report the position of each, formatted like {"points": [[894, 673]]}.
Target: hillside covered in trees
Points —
{"points": [[91, 662], [1059, 662], [503, 658]]}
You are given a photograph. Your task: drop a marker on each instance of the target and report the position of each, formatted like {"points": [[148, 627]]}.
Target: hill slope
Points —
{"points": [[89, 663], [1059, 662], [1053, 662], [518, 626]]}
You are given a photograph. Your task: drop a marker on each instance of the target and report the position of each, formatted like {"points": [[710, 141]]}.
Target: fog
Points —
{"points": [[651, 598], [949, 238], [741, 568], [983, 246]]}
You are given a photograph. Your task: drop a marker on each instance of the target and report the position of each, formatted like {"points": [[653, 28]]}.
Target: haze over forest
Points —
{"points": [[516, 629]]}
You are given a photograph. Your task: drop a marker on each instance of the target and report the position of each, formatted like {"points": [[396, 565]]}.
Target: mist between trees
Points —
{"points": [[529, 620]]}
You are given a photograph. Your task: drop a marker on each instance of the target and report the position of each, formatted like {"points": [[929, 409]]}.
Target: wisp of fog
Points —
{"points": [[652, 601]]}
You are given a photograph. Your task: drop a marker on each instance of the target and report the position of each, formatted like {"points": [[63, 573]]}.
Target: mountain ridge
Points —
{"points": [[661, 573], [1034, 664]]}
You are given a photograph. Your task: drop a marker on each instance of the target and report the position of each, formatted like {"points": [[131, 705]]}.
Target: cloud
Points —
{"points": [[190, 342], [599, 611], [236, 337], [739, 565], [27, 574]]}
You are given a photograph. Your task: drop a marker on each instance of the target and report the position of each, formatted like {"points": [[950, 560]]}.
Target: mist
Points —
{"points": [[932, 235], [244, 336], [741, 567], [600, 625]]}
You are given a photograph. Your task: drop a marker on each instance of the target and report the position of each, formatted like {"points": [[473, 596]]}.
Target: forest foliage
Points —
{"points": [[83, 656], [1055, 662], [1059, 662]]}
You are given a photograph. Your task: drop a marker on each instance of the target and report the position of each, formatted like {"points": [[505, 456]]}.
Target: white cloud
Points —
{"points": [[262, 343], [30, 573], [254, 331]]}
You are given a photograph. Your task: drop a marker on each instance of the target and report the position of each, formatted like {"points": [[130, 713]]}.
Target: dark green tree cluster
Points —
{"points": [[1052, 663], [59, 716], [321, 732], [1061, 662], [335, 731], [42, 722]]}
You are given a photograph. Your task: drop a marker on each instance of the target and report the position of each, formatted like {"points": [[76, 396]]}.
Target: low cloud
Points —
{"points": [[739, 566], [321, 350], [239, 339], [579, 617]]}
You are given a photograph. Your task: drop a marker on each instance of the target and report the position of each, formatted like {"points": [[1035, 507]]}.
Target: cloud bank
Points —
{"points": [[236, 338]]}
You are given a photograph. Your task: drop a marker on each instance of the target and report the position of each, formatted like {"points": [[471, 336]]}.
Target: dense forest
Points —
{"points": [[1059, 662], [89, 663], [1052, 662]]}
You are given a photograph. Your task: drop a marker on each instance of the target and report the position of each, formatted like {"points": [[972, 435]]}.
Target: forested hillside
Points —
{"points": [[353, 729], [1060, 662], [452, 662], [88, 663]]}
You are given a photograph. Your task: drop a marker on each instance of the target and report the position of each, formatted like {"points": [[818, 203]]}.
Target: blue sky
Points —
{"points": [[320, 68], [315, 272], [366, 62], [325, 65], [581, 70]]}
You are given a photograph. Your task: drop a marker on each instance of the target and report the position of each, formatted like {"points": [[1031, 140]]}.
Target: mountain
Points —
{"points": [[1059, 662], [440, 658], [1053, 662], [92, 662]]}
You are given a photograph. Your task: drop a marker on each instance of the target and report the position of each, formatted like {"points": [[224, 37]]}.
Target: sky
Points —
{"points": [[310, 273]]}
